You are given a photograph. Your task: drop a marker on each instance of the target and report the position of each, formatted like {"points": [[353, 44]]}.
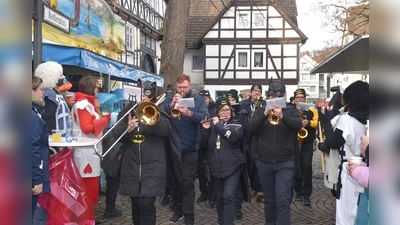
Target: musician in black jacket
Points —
{"points": [[250, 104], [225, 158], [274, 156]]}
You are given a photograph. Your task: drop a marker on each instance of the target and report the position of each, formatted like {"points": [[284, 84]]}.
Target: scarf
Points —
{"points": [[79, 96]]}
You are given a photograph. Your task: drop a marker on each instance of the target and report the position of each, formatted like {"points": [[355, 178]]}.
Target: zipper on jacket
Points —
{"points": [[140, 165], [273, 145]]}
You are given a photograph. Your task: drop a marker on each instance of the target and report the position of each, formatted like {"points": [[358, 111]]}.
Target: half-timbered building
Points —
{"points": [[237, 43]]}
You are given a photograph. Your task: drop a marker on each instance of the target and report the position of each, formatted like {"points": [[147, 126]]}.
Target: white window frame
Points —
{"points": [[264, 19], [240, 22], [202, 66], [254, 58], [238, 51], [130, 37]]}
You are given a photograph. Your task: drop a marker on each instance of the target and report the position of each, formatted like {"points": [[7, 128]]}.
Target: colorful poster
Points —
{"points": [[93, 26]]}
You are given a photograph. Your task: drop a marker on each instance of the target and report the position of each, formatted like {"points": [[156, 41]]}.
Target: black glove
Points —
{"points": [[324, 118], [322, 146]]}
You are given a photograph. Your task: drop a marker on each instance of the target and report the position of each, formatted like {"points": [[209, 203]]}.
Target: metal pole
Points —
{"points": [[37, 35]]}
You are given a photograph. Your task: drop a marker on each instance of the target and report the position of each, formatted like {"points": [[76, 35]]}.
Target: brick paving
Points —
{"points": [[322, 210]]}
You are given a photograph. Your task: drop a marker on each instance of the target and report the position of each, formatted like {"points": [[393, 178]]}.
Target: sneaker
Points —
{"points": [[260, 196], [253, 193], [238, 214], [189, 222], [298, 197], [175, 218], [307, 201], [115, 213], [202, 198], [211, 203], [165, 200]]}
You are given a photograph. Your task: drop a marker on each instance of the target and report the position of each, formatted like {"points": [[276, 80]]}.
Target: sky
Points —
{"points": [[310, 25]]}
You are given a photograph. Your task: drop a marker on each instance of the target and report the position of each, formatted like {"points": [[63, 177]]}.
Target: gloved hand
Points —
{"points": [[324, 118], [322, 146]]}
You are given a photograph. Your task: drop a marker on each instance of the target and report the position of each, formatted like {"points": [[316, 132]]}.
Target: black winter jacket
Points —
{"points": [[227, 159], [275, 143], [144, 163]]}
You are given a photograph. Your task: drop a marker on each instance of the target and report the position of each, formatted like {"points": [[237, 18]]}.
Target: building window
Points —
{"points": [[304, 76], [312, 77], [259, 19], [130, 37], [242, 59], [312, 89], [148, 41], [153, 44], [243, 19], [197, 62], [321, 78], [258, 59], [142, 38]]}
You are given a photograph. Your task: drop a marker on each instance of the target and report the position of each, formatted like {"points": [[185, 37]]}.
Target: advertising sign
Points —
{"points": [[92, 26]]}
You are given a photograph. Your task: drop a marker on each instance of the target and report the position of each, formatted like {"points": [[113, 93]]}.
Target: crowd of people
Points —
{"points": [[236, 149]]}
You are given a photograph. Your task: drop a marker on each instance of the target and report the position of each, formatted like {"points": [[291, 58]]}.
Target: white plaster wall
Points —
{"points": [[214, 88], [197, 75]]}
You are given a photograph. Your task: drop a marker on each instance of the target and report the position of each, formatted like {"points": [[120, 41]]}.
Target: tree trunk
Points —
{"points": [[173, 46]]}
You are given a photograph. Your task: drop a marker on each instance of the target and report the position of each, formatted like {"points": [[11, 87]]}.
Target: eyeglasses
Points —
{"points": [[225, 110], [300, 97], [182, 87]]}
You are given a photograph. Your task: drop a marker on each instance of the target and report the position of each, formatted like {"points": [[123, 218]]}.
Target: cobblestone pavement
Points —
{"points": [[322, 210]]}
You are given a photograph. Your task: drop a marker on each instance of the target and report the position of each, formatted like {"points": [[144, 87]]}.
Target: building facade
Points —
{"points": [[241, 43]]}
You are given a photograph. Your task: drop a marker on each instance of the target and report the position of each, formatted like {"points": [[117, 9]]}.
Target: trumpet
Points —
{"points": [[175, 113], [147, 113], [274, 119]]}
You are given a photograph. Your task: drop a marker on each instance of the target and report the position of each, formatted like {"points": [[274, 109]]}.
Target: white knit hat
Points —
{"points": [[50, 72]]}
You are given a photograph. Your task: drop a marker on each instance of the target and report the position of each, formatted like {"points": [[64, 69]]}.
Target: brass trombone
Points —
{"points": [[274, 119], [175, 113], [147, 113]]}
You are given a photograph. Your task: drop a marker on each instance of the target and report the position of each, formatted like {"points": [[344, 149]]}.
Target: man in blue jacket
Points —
{"points": [[188, 124]]}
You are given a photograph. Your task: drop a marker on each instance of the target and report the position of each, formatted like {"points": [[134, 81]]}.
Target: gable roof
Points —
{"points": [[203, 13]]}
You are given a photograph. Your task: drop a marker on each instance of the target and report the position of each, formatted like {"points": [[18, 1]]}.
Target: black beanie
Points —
{"points": [[256, 86], [299, 92], [233, 94], [222, 101]]}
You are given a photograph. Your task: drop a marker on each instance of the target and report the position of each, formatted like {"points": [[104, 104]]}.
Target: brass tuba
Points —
{"points": [[175, 113], [274, 118]]}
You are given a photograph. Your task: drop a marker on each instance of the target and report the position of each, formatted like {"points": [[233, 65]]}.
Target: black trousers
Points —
{"points": [[111, 192], [304, 185], [143, 210], [185, 204], [202, 171]]}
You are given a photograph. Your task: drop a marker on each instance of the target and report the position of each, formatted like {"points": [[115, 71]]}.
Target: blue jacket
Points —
{"points": [[189, 128], [40, 150]]}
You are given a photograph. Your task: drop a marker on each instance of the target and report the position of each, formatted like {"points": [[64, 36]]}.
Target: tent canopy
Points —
{"points": [[352, 58], [85, 59]]}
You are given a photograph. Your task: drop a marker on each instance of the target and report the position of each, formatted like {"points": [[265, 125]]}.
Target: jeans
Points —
{"points": [[304, 185], [35, 199], [143, 210], [111, 192], [185, 204], [225, 189], [276, 179]]}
